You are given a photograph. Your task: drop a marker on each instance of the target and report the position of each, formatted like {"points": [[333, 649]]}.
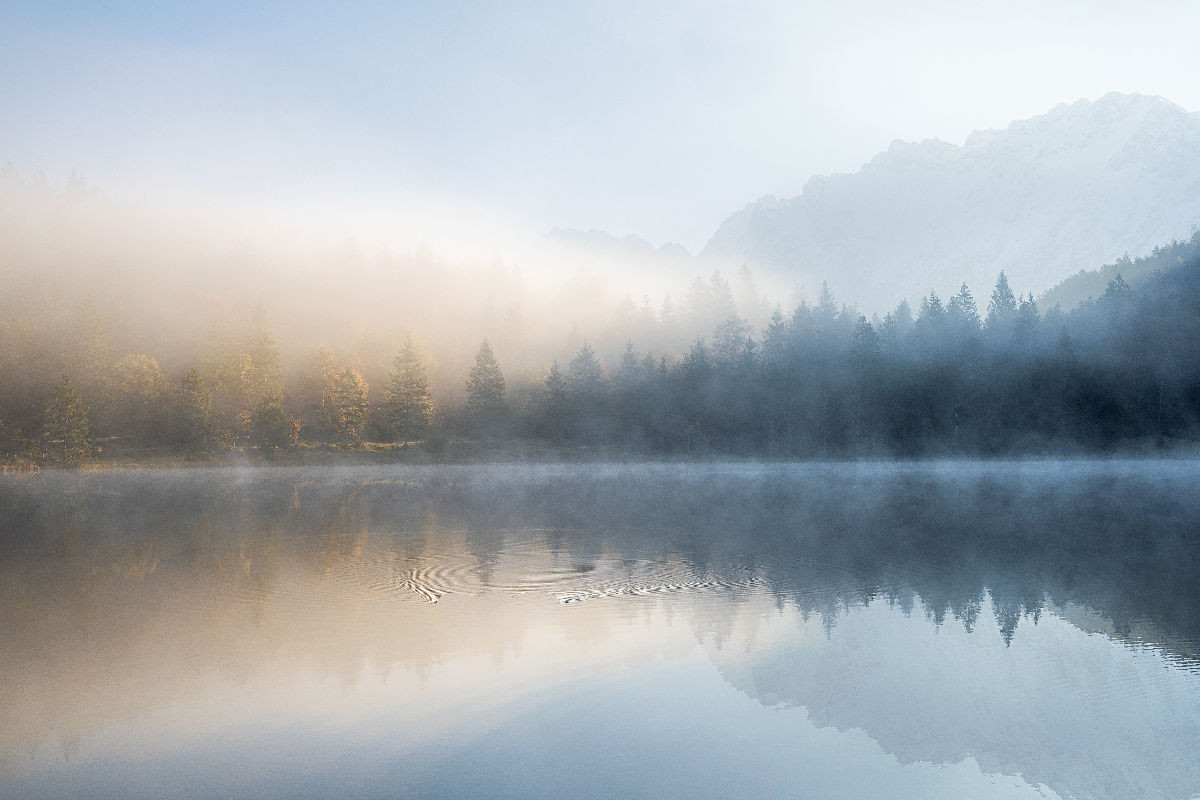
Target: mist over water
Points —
{"points": [[942, 629], [406, 400]]}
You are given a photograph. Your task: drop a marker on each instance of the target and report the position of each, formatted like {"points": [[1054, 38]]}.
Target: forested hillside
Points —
{"points": [[1091, 284]]}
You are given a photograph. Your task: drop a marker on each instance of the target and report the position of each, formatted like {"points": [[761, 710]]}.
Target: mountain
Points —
{"points": [[630, 256], [1041, 199], [604, 243]]}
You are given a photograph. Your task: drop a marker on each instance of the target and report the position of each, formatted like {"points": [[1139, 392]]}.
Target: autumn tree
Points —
{"points": [[345, 403], [66, 431]]}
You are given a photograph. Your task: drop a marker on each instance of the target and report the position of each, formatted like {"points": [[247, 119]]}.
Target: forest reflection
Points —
{"points": [[123, 593]]}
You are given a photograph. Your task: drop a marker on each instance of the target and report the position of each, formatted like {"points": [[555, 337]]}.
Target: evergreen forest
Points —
{"points": [[991, 376]]}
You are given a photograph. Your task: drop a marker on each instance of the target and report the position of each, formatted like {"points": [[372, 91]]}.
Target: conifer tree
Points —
{"points": [[1118, 291], [629, 362], [963, 310], [408, 405], [556, 412], [930, 311], [485, 388], [826, 305], [586, 374], [775, 339], [1027, 316], [1003, 302], [865, 345]]}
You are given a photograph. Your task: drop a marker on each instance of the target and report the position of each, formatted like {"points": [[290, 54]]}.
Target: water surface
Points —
{"points": [[838, 631]]}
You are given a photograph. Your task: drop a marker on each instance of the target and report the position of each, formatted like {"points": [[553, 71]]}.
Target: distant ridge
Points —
{"points": [[602, 242], [1041, 199]]}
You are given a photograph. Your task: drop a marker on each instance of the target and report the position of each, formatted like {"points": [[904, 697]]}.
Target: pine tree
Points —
{"points": [[556, 411], [485, 388], [587, 388], [67, 434], [666, 314], [586, 374], [1027, 316], [930, 311], [826, 305], [408, 405], [629, 362], [865, 345], [668, 324], [1003, 303], [1118, 292], [731, 340], [775, 339], [963, 311]]}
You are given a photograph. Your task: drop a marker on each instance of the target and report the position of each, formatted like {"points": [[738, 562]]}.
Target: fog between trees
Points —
{"points": [[119, 340]]}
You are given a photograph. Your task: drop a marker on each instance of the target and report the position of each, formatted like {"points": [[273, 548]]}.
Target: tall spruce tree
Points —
{"points": [[963, 312], [1003, 303], [408, 405], [586, 374], [485, 389], [557, 416]]}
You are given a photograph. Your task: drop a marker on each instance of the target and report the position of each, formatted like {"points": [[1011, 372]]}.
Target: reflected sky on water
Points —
{"points": [[915, 630]]}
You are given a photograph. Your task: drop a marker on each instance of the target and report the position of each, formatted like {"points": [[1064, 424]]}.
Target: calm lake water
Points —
{"points": [[951, 630]]}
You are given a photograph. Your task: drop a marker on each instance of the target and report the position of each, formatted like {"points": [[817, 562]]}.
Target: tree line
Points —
{"points": [[945, 378]]}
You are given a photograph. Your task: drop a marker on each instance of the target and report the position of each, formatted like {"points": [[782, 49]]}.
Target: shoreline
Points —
{"points": [[387, 455]]}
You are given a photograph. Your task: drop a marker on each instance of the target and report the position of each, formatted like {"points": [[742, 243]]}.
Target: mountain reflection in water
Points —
{"points": [[955, 629]]}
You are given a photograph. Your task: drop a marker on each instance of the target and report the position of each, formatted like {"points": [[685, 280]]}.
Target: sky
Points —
{"points": [[640, 116]]}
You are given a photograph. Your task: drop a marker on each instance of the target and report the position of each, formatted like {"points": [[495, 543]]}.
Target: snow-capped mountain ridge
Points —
{"points": [[1040, 199]]}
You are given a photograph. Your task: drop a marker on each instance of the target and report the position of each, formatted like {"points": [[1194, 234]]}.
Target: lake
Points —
{"points": [[924, 630]]}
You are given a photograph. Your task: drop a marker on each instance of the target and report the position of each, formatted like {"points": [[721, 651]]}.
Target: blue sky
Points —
{"points": [[645, 117]]}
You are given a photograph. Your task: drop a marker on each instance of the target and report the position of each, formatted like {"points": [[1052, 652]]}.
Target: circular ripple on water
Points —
{"points": [[658, 579], [386, 576], [436, 579]]}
